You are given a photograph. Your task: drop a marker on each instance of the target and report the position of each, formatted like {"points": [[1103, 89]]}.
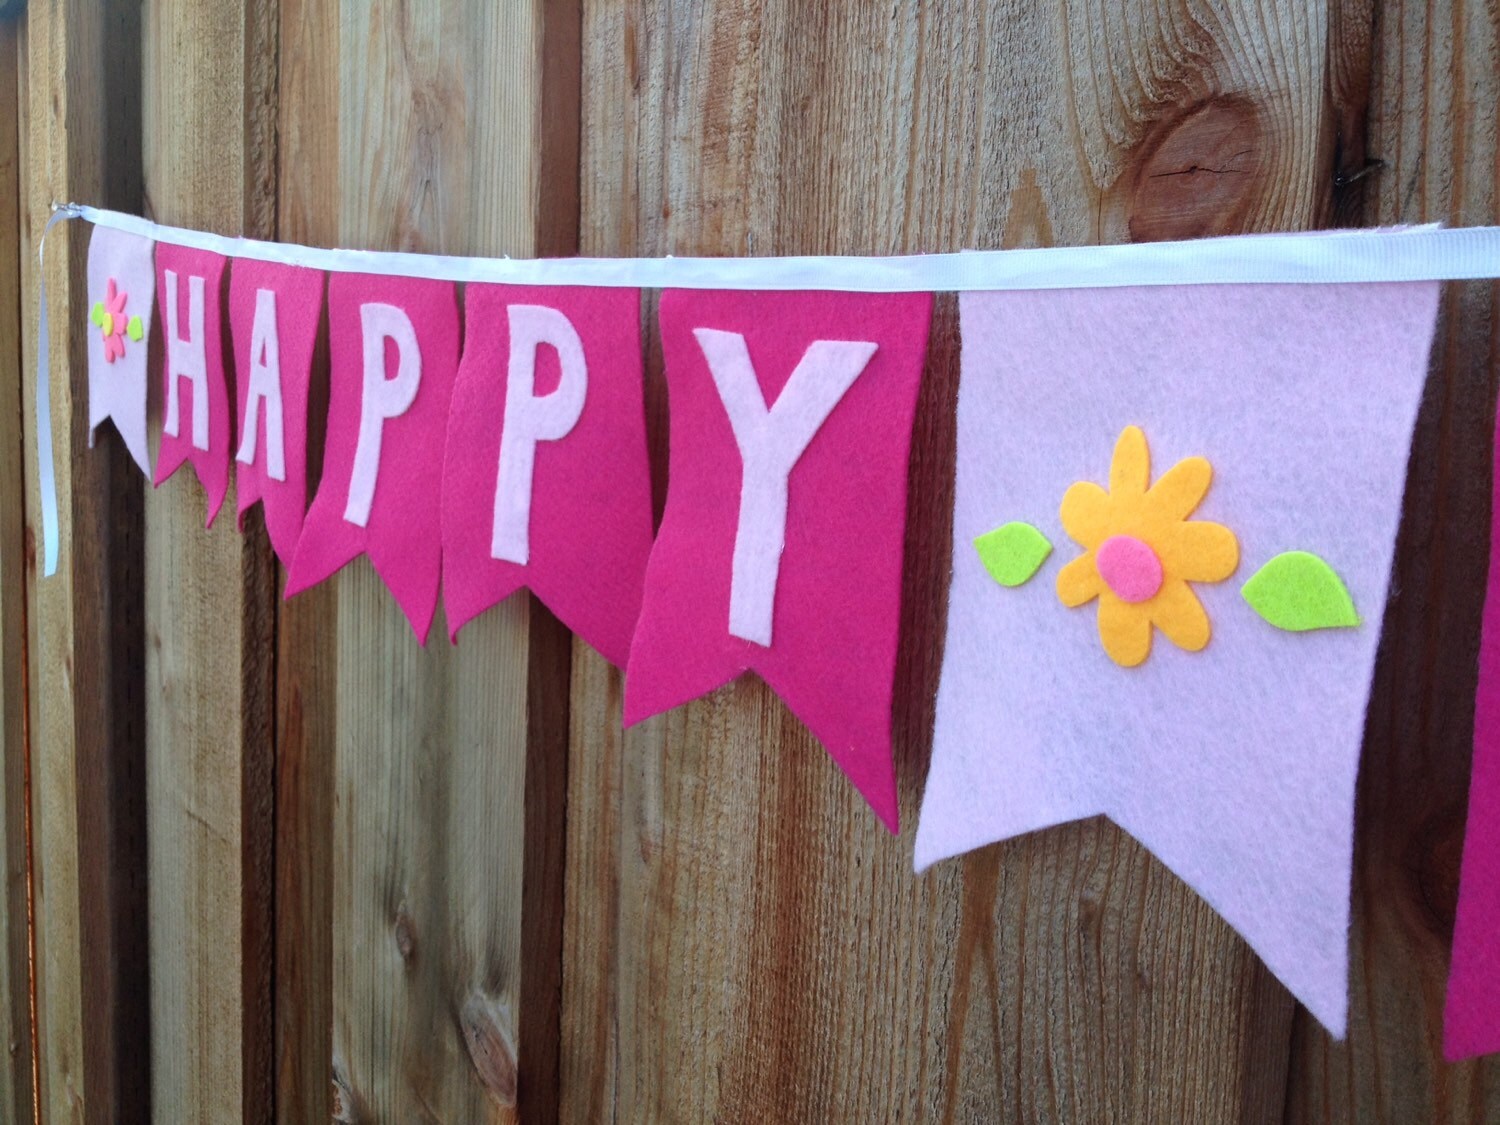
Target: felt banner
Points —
{"points": [[546, 482], [1174, 521], [122, 285], [196, 426], [780, 550], [1471, 1020], [1180, 469], [393, 355], [274, 317]]}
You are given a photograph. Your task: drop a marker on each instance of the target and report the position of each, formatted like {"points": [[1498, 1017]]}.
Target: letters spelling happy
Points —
{"points": [[781, 545]]}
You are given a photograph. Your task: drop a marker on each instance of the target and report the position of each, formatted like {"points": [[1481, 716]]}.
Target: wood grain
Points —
{"points": [[1433, 76], [208, 122], [15, 1001], [447, 870]]}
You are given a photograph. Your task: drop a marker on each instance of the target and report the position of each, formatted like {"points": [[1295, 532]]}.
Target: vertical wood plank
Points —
{"points": [[108, 671], [50, 173], [209, 125], [15, 1000], [307, 625], [743, 941], [1432, 78], [86, 802], [447, 921]]}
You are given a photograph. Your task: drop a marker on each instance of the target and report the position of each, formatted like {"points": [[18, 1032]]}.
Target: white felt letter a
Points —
{"points": [[265, 387], [771, 442], [186, 359], [382, 398]]}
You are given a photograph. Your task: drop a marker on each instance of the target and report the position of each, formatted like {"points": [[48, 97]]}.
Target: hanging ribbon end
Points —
{"points": [[46, 466]]}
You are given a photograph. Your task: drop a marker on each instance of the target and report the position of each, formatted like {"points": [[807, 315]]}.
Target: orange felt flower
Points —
{"points": [[1141, 551]]}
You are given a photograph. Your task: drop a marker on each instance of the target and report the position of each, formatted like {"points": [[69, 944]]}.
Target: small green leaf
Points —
{"points": [[96, 314], [1013, 553], [1298, 591], [134, 329]]}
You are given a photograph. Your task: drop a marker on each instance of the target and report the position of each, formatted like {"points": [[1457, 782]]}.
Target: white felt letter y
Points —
{"points": [[771, 441]]}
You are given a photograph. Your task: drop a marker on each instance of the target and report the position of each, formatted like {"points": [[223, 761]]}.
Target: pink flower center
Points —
{"points": [[1129, 568]]}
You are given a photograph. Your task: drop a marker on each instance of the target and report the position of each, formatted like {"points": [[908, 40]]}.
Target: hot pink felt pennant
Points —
{"points": [[546, 482], [274, 314], [196, 425], [826, 383], [1471, 1021], [393, 352]]}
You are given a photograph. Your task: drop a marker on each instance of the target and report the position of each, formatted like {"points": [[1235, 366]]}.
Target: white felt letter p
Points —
{"points": [[530, 418], [186, 359], [382, 398], [771, 441]]}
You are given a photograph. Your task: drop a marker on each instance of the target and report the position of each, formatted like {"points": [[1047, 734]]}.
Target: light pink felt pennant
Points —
{"points": [[546, 482], [1471, 1021], [393, 353], [122, 288], [781, 546], [196, 424], [1212, 702], [274, 315]]}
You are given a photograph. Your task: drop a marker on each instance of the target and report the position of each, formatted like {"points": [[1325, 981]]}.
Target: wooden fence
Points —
{"points": [[285, 865]]}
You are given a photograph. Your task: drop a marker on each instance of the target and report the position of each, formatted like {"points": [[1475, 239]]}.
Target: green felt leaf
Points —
{"points": [[1298, 591], [96, 315], [134, 329], [1013, 552]]}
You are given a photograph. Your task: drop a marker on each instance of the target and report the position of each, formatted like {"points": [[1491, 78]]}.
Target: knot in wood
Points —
{"points": [[1199, 174], [345, 1104], [486, 1026], [406, 935]]}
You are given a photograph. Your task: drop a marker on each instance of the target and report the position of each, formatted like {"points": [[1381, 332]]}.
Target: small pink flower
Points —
{"points": [[114, 323]]}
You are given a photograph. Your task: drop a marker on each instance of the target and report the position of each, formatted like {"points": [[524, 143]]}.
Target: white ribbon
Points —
{"points": [[46, 460], [1424, 253]]}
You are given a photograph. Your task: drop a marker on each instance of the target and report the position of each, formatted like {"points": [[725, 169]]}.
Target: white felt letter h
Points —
{"points": [[186, 359], [771, 441]]}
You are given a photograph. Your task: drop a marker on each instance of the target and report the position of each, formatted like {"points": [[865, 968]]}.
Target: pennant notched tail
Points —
{"points": [[275, 312], [781, 547], [196, 426], [393, 350], [1129, 675], [122, 289], [553, 491], [1471, 1018]]}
